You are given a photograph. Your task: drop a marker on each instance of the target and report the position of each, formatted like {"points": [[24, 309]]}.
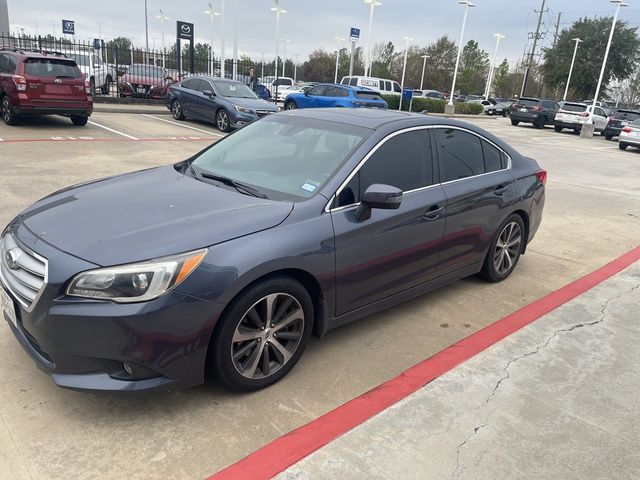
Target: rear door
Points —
{"points": [[333, 97], [600, 118], [313, 98], [53, 79], [478, 187]]}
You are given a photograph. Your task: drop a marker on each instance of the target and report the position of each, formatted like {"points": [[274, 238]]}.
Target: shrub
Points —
{"points": [[432, 105]]}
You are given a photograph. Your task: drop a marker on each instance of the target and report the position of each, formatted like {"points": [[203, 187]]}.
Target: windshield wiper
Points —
{"points": [[240, 187]]}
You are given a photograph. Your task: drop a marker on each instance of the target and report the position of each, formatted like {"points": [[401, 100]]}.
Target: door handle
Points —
{"points": [[434, 213], [500, 189]]}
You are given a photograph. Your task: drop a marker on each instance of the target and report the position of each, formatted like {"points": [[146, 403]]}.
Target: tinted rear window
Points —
{"points": [[626, 115], [574, 107], [528, 102], [52, 67], [369, 95]]}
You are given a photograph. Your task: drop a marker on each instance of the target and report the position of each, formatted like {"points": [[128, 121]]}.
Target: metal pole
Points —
{"points": [[277, 39], [222, 35], [455, 72], [404, 70], [424, 66], [284, 55], [367, 67], [146, 26], [555, 36], [295, 70], [212, 67], [499, 37], [533, 51], [620, 4], [353, 52], [235, 39], [573, 60]]}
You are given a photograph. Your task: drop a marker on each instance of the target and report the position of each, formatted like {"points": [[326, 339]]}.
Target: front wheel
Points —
{"points": [[9, 117], [262, 335], [222, 121], [515, 123], [290, 106], [505, 250], [557, 128], [79, 120], [608, 136], [623, 146], [176, 110]]}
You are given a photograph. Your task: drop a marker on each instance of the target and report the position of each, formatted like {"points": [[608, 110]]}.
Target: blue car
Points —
{"points": [[227, 103], [327, 95]]}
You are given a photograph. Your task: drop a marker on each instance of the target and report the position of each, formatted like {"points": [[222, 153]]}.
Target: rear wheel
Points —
{"points": [[79, 120], [540, 123], [290, 106], [515, 123], [262, 335], [505, 250], [622, 145], [557, 128], [176, 110], [9, 117], [576, 131], [608, 136]]}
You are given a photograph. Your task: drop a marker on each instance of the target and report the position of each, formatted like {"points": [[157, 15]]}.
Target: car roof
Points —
{"points": [[34, 53]]}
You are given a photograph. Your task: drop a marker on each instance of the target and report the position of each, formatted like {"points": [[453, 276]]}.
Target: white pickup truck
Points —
{"points": [[99, 74]]}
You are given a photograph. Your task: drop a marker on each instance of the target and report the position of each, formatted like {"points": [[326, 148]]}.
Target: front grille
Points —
{"points": [[23, 273], [263, 113]]}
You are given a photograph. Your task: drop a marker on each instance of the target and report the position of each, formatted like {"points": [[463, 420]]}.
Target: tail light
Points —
{"points": [[537, 108], [20, 82], [627, 130], [87, 87], [584, 114], [542, 176]]}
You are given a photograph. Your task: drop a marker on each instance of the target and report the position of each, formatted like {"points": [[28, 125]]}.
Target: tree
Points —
{"points": [[440, 64], [381, 58], [624, 54], [474, 69], [320, 67], [500, 83], [120, 49]]}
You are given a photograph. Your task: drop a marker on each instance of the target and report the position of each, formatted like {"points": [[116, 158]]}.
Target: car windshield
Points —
{"points": [[52, 68], [146, 71], [626, 115], [234, 90], [286, 158]]}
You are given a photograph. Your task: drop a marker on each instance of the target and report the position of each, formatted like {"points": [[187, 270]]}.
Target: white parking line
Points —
{"points": [[182, 125], [112, 130]]}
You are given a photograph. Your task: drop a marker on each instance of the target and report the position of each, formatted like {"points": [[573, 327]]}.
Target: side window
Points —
{"points": [[96, 60], [460, 154], [187, 84], [205, 85], [344, 81], [353, 82], [492, 157], [317, 90], [403, 161], [387, 85], [4, 63], [333, 92], [396, 87]]}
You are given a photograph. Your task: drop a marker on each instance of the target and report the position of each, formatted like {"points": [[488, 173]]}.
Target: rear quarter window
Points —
{"points": [[7, 63]]}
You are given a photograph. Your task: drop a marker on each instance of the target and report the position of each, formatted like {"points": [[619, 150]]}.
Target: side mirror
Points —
{"points": [[306, 93], [208, 93], [384, 197]]}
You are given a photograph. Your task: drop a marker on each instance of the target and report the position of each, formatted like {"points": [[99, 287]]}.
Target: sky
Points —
{"points": [[313, 24]]}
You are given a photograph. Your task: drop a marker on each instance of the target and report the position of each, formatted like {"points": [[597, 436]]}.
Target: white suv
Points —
{"points": [[99, 74], [575, 115]]}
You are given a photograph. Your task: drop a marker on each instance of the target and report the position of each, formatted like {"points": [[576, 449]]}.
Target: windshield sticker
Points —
{"points": [[232, 88], [310, 186]]}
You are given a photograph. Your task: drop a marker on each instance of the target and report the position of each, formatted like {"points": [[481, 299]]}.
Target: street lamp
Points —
{"points": [[339, 40], [372, 5], [404, 68], [163, 18], [619, 4], [492, 67], [284, 54], [467, 4], [146, 27], [279, 11], [212, 13], [573, 60], [424, 66]]}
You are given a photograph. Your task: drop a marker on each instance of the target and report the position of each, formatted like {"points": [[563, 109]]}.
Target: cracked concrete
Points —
{"points": [[557, 399]]}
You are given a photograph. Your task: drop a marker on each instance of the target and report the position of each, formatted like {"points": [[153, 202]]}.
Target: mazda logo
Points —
{"points": [[185, 28], [12, 259], [68, 25]]}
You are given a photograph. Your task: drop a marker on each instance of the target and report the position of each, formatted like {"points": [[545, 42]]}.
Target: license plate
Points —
{"points": [[624, 124], [523, 109], [8, 308]]}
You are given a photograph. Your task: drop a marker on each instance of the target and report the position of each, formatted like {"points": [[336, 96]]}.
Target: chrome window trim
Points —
{"points": [[328, 208]]}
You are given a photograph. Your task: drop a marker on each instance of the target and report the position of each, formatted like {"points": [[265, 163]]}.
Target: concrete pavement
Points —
{"points": [[557, 399]]}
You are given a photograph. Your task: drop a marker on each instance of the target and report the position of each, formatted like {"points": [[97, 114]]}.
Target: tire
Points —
{"points": [[504, 114], [622, 145], [231, 360], [515, 123], [505, 249], [540, 123], [79, 120], [176, 110], [107, 85], [222, 121], [608, 136], [557, 128], [92, 86], [8, 115], [290, 106], [576, 131]]}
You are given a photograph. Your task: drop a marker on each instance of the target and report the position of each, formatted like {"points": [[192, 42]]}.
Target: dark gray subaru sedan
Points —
{"points": [[227, 262]]}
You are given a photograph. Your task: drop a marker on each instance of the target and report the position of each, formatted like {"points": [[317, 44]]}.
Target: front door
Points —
{"points": [[394, 249]]}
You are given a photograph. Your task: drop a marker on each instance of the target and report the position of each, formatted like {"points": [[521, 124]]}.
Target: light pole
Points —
{"points": [[223, 60], [620, 4], [492, 67], [212, 13], [339, 40], [424, 67], [573, 60], [163, 18], [284, 54], [372, 5], [279, 11], [467, 4], [404, 68], [146, 26]]}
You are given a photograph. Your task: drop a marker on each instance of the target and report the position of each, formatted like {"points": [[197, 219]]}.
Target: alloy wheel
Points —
{"points": [[267, 336], [508, 248], [6, 110], [223, 121], [176, 110]]}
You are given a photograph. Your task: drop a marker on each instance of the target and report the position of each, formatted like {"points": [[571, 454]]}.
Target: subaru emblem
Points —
{"points": [[58, 80], [12, 259]]}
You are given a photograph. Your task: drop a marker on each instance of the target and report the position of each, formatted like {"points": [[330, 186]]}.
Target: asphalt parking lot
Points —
{"points": [[592, 216]]}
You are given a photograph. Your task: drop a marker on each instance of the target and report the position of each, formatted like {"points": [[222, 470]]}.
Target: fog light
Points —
{"points": [[127, 368]]}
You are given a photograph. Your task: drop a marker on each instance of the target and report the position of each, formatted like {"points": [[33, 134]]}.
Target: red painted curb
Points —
{"points": [[284, 451]]}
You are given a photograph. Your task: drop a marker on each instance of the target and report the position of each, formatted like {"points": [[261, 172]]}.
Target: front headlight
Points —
{"points": [[243, 109], [136, 282]]}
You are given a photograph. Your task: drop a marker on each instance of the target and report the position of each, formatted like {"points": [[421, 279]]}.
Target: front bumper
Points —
{"points": [[240, 119], [84, 344]]}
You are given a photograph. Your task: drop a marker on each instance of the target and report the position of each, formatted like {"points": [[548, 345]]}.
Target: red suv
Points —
{"points": [[42, 83]]}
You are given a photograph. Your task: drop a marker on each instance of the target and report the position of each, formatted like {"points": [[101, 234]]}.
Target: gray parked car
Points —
{"points": [[227, 103], [227, 263]]}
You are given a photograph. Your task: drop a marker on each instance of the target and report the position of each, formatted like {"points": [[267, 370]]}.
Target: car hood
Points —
{"points": [[147, 214], [255, 104]]}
